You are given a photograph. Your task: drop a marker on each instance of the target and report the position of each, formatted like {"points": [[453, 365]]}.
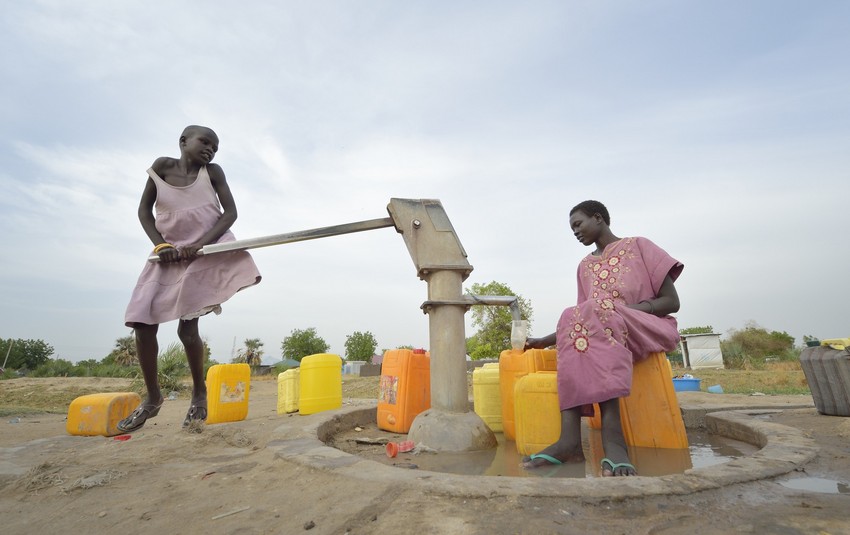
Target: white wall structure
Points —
{"points": [[701, 351]]}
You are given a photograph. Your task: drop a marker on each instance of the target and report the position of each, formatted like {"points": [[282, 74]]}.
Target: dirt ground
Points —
{"points": [[225, 480]]}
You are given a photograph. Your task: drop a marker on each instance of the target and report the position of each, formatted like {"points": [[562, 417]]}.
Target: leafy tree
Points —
{"points": [[494, 322], [302, 343], [252, 353], [478, 350], [708, 329], [28, 354], [360, 346]]}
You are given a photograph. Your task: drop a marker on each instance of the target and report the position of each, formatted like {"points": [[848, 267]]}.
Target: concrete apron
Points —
{"points": [[783, 449]]}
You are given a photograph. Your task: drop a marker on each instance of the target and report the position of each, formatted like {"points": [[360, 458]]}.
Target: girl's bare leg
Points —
{"points": [[194, 346], [147, 349], [568, 447], [613, 441]]}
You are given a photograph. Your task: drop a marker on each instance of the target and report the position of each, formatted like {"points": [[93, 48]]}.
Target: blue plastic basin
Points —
{"points": [[686, 385]]}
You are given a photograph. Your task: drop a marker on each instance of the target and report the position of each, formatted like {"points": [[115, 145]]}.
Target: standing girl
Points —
{"points": [[194, 207]]}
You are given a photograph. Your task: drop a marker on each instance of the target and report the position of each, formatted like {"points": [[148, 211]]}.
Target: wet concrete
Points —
{"points": [[817, 484], [781, 450]]}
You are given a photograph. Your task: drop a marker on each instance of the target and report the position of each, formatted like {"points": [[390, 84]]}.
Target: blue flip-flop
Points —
{"points": [[613, 466]]}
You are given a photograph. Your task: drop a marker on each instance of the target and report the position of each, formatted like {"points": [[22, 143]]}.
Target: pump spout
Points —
{"points": [[519, 327], [509, 301]]}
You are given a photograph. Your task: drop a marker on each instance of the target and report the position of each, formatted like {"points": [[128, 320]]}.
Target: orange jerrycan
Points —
{"points": [[288, 390], [405, 388], [228, 388], [320, 383], [513, 364], [538, 413], [99, 414], [486, 395], [650, 415]]}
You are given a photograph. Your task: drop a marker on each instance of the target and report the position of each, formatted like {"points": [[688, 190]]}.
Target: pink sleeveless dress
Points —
{"points": [[186, 290]]}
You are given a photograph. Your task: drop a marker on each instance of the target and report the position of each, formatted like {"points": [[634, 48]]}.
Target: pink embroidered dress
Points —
{"points": [[600, 337], [187, 290]]}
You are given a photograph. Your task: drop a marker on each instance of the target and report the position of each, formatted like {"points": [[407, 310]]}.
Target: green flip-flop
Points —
{"points": [[612, 466], [545, 457]]}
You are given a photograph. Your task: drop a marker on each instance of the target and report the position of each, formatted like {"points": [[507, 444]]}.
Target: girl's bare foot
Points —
{"points": [[612, 469], [138, 417], [197, 411]]}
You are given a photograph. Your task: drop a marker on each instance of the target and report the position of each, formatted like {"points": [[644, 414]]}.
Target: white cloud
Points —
{"points": [[721, 137]]}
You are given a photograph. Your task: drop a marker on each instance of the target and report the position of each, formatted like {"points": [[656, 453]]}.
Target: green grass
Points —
{"points": [[778, 378], [18, 397]]}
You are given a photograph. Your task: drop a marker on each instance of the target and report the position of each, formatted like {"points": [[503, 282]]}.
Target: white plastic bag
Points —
{"points": [[519, 334]]}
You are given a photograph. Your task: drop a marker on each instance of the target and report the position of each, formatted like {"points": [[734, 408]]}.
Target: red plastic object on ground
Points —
{"points": [[394, 448]]}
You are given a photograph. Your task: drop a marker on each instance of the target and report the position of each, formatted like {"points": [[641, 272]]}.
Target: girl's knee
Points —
{"points": [[189, 339], [187, 331], [145, 332]]}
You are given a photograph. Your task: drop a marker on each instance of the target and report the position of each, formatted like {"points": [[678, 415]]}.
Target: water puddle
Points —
{"points": [[504, 461], [817, 484]]}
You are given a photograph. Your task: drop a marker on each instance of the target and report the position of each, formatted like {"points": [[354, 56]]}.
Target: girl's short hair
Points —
{"points": [[591, 208]]}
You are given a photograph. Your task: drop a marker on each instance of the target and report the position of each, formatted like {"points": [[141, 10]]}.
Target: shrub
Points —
{"points": [[734, 356], [55, 368], [748, 348], [280, 367], [172, 368]]}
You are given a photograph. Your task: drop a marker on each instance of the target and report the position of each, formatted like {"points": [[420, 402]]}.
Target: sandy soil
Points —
{"points": [[225, 480]]}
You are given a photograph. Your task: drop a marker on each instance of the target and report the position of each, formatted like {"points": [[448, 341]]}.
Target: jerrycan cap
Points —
{"points": [[419, 351]]}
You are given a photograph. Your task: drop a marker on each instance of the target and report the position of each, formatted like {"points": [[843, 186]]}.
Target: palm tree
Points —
{"points": [[124, 353], [252, 353]]}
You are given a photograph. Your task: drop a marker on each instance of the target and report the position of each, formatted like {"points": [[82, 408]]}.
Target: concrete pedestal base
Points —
{"points": [[451, 431]]}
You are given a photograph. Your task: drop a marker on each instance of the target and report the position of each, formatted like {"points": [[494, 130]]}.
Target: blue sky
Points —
{"points": [[720, 130]]}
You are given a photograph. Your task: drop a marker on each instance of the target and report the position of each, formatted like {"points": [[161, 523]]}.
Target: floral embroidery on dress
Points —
{"points": [[606, 272], [580, 335], [581, 344]]}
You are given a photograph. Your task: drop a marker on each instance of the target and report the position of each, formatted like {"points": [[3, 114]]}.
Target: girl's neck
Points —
{"points": [[604, 241], [188, 167]]}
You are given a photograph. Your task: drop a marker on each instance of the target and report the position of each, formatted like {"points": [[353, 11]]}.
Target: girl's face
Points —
{"points": [[201, 145], [586, 229]]}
